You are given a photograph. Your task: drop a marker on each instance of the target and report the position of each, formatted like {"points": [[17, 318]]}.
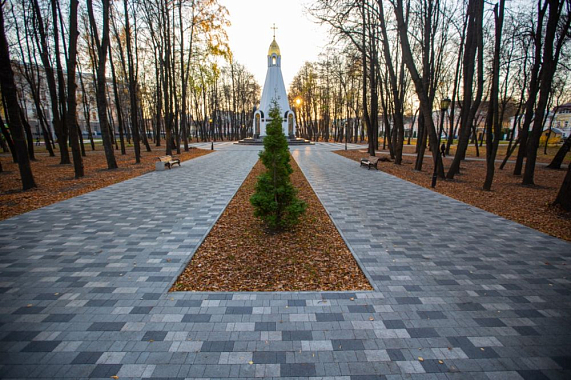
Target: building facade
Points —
{"points": [[562, 119], [26, 75]]}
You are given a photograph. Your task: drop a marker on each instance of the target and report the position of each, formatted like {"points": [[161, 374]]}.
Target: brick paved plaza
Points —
{"points": [[459, 293]]}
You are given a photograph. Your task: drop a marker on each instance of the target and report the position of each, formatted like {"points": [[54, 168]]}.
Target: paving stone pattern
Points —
{"points": [[84, 286], [489, 297]]}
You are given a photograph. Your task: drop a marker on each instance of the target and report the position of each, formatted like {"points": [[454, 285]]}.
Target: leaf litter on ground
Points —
{"points": [[240, 254]]}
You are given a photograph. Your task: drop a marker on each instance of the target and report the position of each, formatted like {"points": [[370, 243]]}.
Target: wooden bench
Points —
{"points": [[169, 161], [371, 161]]}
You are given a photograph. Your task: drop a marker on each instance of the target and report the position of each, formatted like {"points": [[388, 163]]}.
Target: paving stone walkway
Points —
{"points": [[84, 286]]}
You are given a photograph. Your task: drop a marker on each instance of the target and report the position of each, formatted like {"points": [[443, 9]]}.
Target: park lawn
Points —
{"points": [[57, 182], [528, 205], [239, 254]]}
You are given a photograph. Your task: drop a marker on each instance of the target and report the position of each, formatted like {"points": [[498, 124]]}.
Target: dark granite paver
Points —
{"points": [[84, 286]]}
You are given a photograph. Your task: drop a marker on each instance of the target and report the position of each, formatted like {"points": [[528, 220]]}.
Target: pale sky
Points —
{"points": [[250, 35]]}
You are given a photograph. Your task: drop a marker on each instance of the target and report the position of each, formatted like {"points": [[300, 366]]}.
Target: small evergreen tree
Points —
{"points": [[275, 200]]}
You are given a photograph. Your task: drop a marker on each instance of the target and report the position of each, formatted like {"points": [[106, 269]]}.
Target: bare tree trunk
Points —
{"points": [[143, 131], [387, 132], [4, 146], [475, 139], [9, 140], [102, 48], [547, 137], [549, 131], [511, 146], [28, 133], [533, 89], [398, 129], [450, 139], [420, 83], [550, 58], [470, 106], [159, 102], [62, 101], [118, 107], [81, 144], [132, 89], [86, 112], [560, 156], [71, 117], [420, 142], [366, 116], [58, 124], [509, 153], [13, 108], [33, 80], [412, 126], [43, 124], [47, 138], [493, 124], [564, 196], [184, 72]]}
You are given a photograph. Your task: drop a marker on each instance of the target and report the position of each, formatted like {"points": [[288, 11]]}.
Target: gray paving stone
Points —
{"points": [[269, 357], [297, 370], [87, 358], [41, 346], [105, 370], [84, 287], [296, 335]]}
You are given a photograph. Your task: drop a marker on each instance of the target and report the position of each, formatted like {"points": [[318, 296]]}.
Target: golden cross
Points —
{"points": [[274, 28]]}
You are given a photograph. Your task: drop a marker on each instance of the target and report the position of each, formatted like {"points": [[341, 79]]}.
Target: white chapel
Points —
{"points": [[274, 89]]}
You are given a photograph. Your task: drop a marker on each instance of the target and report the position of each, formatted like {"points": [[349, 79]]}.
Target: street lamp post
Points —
{"points": [[444, 103], [213, 135], [346, 130], [297, 115]]}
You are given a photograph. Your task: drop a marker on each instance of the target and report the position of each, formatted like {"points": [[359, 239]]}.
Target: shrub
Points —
{"points": [[275, 199]]}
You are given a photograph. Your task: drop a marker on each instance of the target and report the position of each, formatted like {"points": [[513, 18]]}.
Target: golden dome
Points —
{"points": [[274, 48]]}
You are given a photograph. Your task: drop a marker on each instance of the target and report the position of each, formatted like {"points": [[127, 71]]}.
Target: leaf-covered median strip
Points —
{"points": [[240, 254]]}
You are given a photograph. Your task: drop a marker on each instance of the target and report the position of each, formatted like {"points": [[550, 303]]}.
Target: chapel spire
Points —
{"points": [[274, 92], [274, 48]]}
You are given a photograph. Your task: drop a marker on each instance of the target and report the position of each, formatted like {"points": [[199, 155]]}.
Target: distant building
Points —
{"points": [[561, 122], [562, 119], [86, 106], [554, 133], [479, 121]]}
